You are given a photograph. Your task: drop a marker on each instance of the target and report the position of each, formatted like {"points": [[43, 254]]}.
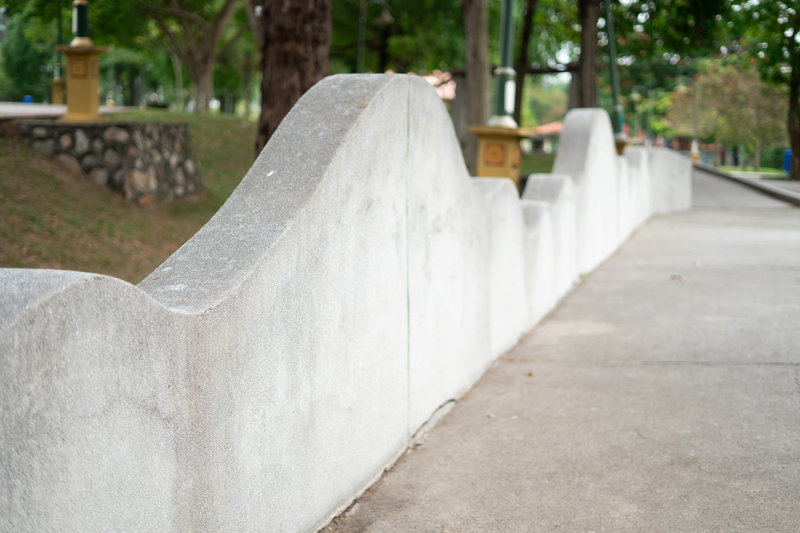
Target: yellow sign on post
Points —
{"points": [[498, 151]]}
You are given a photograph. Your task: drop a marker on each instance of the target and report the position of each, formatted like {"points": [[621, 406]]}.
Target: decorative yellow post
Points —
{"points": [[498, 147], [83, 68], [498, 151]]}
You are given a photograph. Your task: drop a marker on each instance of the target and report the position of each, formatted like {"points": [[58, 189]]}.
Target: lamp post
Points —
{"points": [[619, 117], [498, 150], [385, 18], [83, 70], [505, 73]]}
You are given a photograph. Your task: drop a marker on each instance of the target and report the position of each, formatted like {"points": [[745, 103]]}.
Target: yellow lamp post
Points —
{"points": [[498, 146], [499, 152], [83, 68]]}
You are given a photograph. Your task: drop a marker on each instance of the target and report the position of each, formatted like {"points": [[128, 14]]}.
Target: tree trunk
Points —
{"points": [[794, 124], [199, 55], [756, 103], [176, 68], [522, 58], [297, 38], [247, 82], [383, 51], [589, 13], [476, 33], [205, 85], [131, 100], [757, 154]]}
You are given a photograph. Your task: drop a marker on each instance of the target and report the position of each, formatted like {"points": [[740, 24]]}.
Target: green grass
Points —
{"points": [[750, 168], [537, 163], [50, 218]]}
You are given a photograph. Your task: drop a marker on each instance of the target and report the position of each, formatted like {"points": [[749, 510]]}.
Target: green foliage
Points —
{"points": [[537, 163], [544, 101], [6, 85], [557, 34], [22, 59], [734, 107], [425, 35], [771, 36]]}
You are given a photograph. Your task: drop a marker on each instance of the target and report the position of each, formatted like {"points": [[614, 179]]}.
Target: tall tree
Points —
{"points": [[476, 32], [295, 53], [191, 29], [522, 57], [194, 35], [401, 35], [774, 41], [589, 13], [735, 107]]}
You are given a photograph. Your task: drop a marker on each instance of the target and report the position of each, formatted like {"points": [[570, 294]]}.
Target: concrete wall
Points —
{"points": [[268, 371]]}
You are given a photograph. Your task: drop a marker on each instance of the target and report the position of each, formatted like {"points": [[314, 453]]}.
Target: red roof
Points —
{"points": [[554, 128]]}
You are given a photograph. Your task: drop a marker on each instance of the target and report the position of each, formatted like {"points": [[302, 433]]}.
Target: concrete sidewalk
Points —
{"points": [[663, 394]]}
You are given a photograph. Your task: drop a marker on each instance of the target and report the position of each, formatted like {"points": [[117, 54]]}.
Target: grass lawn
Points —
{"points": [[750, 168], [51, 218], [537, 163]]}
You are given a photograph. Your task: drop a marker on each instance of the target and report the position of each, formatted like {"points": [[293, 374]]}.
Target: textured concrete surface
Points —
{"points": [[662, 394]]}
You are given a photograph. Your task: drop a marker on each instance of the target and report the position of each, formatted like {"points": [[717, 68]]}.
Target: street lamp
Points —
{"points": [[384, 19], [619, 117], [505, 73]]}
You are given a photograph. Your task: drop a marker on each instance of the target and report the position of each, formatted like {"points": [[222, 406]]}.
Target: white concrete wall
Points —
{"points": [[268, 371]]}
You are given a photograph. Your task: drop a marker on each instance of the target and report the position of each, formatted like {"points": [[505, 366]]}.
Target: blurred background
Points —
{"points": [[712, 78]]}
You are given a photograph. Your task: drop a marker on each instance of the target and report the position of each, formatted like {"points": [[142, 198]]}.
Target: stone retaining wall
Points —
{"points": [[150, 162]]}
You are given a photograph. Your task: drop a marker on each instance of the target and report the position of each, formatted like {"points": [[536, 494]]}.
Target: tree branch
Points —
{"points": [[190, 40], [254, 23], [179, 14], [176, 47], [227, 46], [220, 22]]}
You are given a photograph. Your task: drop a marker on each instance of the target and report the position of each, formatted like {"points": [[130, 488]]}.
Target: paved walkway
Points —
{"points": [[663, 394]]}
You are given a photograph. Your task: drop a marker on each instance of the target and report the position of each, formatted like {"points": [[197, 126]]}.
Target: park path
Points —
{"points": [[663, 394]]}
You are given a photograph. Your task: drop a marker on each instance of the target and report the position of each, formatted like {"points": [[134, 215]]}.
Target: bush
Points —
{"points": [[21, 60], [772, 156]]}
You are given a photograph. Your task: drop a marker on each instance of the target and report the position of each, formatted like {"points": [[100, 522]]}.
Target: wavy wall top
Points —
{"points": [[268, 371]]}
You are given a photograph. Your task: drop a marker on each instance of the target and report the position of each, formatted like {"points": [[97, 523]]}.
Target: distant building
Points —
{"points": [[546, 138]]}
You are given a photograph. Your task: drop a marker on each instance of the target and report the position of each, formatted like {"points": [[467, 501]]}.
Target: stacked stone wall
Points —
{"points": [[149, 162]]}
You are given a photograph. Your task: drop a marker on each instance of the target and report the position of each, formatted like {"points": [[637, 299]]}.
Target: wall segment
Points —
{"points": [[270, 369]]}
